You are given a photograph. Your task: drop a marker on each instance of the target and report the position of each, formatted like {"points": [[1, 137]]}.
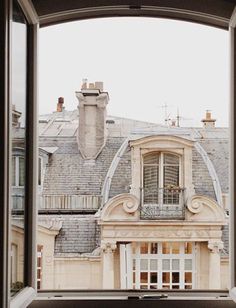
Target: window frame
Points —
{"points": [[161, 172], [32, 157], [17, 166]]}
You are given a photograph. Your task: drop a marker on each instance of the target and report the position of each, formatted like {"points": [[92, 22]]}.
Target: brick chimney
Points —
{"points": [[92, 119], [208, 122], [60, 103]]}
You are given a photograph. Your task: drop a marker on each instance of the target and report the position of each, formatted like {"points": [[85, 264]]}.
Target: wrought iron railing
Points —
{"points": [[162, 203]]}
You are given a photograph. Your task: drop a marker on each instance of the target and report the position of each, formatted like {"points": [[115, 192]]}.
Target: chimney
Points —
{"points": [[208, 122], [60, 103], [92, 119], [15, 117]]}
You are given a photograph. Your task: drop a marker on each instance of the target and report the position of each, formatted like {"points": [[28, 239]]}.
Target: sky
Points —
{"points": [[145, 63]]}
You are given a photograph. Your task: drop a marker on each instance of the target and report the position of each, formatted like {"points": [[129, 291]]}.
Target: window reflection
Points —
{"points": [[18, 105]]}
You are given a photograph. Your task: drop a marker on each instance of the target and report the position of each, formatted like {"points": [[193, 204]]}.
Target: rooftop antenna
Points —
{"points": [[178, 118], [165, 106]]}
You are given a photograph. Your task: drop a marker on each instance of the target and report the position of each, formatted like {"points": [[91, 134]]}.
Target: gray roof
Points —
{"points": [[79, 234], [68, 173]]}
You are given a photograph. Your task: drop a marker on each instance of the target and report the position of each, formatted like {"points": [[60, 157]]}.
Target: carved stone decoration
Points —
{"points": [[123, 207], [130, 205], [195, 205], [215, 246], [108, 247], [203, 208]]}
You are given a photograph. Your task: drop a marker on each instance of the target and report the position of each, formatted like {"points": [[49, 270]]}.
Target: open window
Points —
{"points": [[162, 174], [159, 190]]}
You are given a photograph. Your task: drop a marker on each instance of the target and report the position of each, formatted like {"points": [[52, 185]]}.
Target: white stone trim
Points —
{"points": [[110, 173], [212, 172]]}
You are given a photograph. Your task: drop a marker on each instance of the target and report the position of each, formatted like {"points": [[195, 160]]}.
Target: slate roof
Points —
{"points": [[67, 173]]}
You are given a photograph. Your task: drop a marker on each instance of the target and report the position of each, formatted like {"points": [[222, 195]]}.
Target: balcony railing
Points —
{"points": [[162, 203], [61, 202]]}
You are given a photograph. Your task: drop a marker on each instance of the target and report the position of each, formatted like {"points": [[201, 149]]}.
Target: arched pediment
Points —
{"points": [[165, 140], [202, 208], [121, 207]]}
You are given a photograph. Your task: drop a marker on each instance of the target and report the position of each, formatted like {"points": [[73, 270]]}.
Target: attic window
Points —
{"points": [[161, 172]]}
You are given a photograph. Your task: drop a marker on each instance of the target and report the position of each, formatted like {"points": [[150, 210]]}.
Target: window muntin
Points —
{"points": [[171, 268]]}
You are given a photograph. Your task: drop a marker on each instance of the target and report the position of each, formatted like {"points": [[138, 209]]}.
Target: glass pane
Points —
{"points": [[166, 265], [166, 277], [144, 248], [21, 171], [143, 277], [175, 248], [188, 277], [166, 248], [175, 265], [153, 277], [13, 171], [133, 264], [175, 277], [143, 265], [170, 173], [18, 109], [188, 265], [39, 171], [153, 265], [171, 177], [170, 159], [154, 248], [151, 159], [188, 248], [150, 184]]}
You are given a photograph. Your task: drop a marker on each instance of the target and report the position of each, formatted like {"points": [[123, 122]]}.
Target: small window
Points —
{"points": [[18, 171]]}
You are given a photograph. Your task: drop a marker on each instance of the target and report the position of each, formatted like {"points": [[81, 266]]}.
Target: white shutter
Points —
{"points": [[126, 266]]}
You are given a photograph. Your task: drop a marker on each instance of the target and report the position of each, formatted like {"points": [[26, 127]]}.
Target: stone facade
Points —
{"points": [[90, 208]]}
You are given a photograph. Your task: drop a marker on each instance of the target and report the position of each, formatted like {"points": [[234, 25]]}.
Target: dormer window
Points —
{"points": [[160, 177], [161, 183]]}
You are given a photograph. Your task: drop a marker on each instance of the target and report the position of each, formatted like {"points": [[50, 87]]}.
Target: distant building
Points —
{"points": [[128, 204]]}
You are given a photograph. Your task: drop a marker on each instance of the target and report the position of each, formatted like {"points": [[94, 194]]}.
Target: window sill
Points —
{"points": [[23, 298]]}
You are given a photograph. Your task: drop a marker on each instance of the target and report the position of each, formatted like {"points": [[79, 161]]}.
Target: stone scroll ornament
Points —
{"points": [[130, 204], [194, 205]]}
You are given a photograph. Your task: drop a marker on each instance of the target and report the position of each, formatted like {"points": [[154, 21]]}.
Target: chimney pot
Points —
{"points": [[91, 86], [99, 85], [208, 122], [60, 104]]}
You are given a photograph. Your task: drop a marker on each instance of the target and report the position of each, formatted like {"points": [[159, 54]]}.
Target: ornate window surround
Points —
{"points": [[162, 143]]}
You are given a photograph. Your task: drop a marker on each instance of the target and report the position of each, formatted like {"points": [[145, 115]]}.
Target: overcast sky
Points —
{"points": [[144, 63]]}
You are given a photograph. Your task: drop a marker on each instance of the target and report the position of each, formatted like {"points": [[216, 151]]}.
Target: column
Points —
{"points": [[108, 249], [214, 264]]}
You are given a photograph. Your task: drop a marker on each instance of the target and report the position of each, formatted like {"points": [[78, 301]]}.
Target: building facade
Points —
{"points": [[126, 204]]}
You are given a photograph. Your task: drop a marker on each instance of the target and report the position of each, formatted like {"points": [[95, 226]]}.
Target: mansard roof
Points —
{"points": [[68, 173]]}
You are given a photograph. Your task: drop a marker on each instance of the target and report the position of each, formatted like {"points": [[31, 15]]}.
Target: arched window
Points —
{"points": [[161, 178]]}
